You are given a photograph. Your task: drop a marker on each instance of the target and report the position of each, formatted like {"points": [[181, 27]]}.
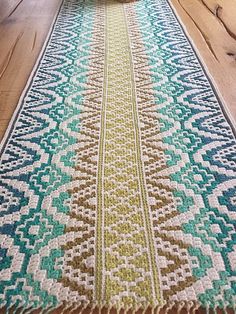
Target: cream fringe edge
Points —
{"points": [[183, 307]]}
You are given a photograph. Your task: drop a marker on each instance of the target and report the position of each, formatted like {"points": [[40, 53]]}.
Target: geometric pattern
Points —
{"points": [[118, 172]]}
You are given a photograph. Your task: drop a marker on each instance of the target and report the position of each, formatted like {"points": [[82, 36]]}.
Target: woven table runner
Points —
{"points": [[118, 171]]}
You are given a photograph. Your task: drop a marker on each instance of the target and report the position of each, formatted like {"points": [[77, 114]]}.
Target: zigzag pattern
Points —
{"points": [[195, 138], [78, 261], [118, 178], [37, 176], [172, 254]]}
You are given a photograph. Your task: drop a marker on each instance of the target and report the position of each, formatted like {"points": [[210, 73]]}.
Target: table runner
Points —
{"points": [[118, 170]]}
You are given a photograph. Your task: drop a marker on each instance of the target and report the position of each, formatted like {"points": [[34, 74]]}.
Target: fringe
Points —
{"points": [[182, 307]]}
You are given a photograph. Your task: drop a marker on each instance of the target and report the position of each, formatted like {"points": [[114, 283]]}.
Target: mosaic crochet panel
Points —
{"points": [[118, 175]]}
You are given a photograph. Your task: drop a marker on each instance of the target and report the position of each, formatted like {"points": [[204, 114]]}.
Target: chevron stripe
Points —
{"points": [[118, 178]]}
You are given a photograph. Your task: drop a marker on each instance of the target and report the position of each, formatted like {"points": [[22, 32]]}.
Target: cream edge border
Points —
{"points": [[34, 71], [214, 86], [35, 68]]}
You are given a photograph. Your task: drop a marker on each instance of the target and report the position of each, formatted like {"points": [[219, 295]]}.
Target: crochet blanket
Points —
{"points": [[118, 171]]}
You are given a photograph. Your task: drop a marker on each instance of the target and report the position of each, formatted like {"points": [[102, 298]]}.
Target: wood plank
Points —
{"points": [[23, 28], [24, 25], [7, 7], [211, 25]]}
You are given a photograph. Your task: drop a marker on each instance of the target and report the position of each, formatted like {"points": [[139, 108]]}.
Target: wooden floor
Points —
{"points": [[24, 25]]}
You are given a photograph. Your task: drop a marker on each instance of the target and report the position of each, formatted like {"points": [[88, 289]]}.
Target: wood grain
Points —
{"points": [[24, 25], [211, 25]]}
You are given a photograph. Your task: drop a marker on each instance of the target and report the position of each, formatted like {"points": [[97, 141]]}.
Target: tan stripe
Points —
{"points": [[100, 200]]}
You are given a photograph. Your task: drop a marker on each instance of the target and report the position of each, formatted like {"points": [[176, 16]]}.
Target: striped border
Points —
{"points": [[223, 106], [20, 103]]}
